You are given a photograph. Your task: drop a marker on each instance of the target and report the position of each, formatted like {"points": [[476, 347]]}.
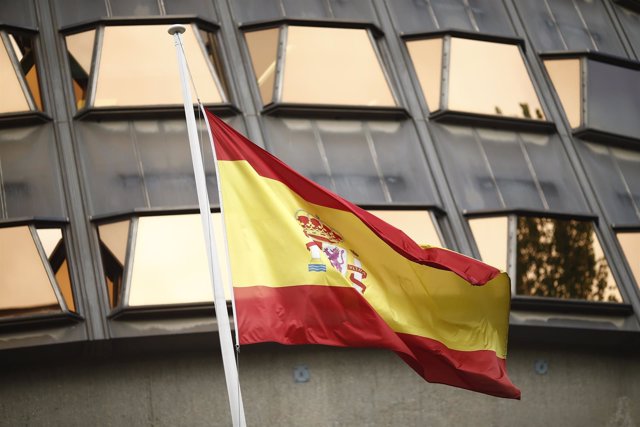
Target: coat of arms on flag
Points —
{"points": [[325, 240]]}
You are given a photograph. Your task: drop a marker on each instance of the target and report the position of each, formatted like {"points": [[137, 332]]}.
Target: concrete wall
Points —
{"points": [[346, 387]]}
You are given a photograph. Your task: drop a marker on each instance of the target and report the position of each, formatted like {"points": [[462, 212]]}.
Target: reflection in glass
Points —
{"points": [[491, 78], [113, 250], [491, 236], [562, 259], [553, 258], [52, 242], [80, 48], [630, 242], [613, 98], [25, 287], [170, 262], [334, 66], [418, 225], [14, 98], [133, 69], [427, 61], [565, 76], [263, 48]]}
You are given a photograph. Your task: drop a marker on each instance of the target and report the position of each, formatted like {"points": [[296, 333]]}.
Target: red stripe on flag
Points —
{"points": [[339, 316], [232, 146]]}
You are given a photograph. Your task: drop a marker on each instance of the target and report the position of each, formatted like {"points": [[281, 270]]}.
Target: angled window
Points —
{"points": [[476, 77], [34, 273], [630, 242], [419, 225], [152, 261], [129, 66], [547, 257], [322, 66], [19, 81], [600, 95]]}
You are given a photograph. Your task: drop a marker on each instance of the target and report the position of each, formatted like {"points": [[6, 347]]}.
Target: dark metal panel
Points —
{"points": [[134, 8], [18, 13], [29, 173], [202, 8], [70, 12], [257, 10]]}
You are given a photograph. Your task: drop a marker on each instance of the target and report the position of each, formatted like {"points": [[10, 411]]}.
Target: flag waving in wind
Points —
{"points": [[309, 267]]}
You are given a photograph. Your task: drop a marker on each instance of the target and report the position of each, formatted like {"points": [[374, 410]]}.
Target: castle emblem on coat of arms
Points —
{"points": [[324, 240]]}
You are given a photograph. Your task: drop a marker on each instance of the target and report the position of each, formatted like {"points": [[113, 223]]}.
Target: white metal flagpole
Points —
{"points": [[224, 328]]}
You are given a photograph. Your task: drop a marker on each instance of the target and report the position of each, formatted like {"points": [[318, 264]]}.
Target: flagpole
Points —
{"points": [[224, 328]]}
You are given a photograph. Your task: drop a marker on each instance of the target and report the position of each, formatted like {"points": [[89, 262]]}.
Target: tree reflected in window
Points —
{"points": [[562, 259], [548, 257]]}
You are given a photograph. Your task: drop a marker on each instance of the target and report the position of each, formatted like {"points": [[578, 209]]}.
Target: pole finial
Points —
{"points": [[180, 29]]}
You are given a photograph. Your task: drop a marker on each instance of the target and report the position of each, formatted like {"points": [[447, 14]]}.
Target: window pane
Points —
{"points": [[418, 225], [566, 78], [492, 239], [139, 67], [613, 98], [333, 66], [263, 48], [25, 287], [13, 98], [52, 242], [80, 48], [491, 78], [170, 261], [114, 239], [427, 61], [24, 49], [630, 242], [562, 259]]}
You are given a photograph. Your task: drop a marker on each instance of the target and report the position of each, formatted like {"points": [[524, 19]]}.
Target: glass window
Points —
{"points": [[630, 242], [612, 94], [136, 66], [565, 76], [548, 257], [417, 224], [165, 259], [613, 98], [34, 273], [19, 81], [326, 66], [427, 61], [482, 77], [491, 235]]}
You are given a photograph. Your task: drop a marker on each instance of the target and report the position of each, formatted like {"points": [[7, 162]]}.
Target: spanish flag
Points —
{"points": [[309, 267]]}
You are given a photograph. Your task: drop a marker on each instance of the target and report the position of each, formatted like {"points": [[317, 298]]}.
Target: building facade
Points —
{"points": [[503, 129]]}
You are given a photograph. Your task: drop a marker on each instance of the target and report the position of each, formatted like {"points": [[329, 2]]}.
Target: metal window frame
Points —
{"points": [[33, 116], [90, 112], [444, 115], [65, 317], [585, 130], [278, 108]]}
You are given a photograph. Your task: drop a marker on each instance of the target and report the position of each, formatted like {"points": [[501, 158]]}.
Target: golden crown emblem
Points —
{"points": [[315, 229]]}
